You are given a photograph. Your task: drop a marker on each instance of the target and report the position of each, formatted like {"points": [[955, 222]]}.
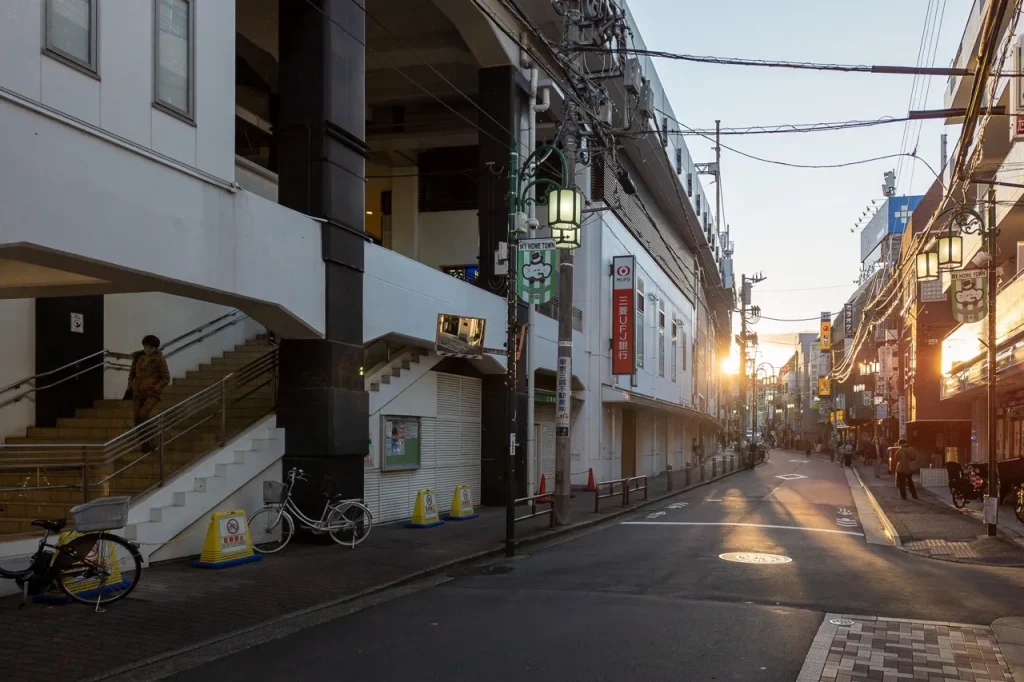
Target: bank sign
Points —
{"points": [[623, 315]]}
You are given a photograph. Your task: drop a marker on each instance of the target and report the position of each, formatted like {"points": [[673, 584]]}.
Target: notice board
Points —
{"points": [[400, 443]]}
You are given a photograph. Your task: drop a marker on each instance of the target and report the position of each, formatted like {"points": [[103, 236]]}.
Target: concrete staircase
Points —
{"points": [[391, 378], [107, 419]]}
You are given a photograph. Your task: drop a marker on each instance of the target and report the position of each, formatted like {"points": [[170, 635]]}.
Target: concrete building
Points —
{"points": [[292, 193]]}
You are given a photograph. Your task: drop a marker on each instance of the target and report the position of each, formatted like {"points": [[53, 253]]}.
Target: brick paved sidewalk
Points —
{"points": [[176, 606], [865, 648], [929, 527]]}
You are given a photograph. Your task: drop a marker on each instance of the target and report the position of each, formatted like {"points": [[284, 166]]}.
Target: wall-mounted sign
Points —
{"points": [[536, 271], [826, 332], [848, 319], [970, 300], [400, 443], [460, 337], [903, 416], [78, 323], [885, 358], [824, 386], [623, 314]]}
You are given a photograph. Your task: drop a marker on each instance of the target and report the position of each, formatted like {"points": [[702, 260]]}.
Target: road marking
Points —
{"points": [[844, 512], [655, 515], [800, 461], [712, 499], [676, 505], [742, 525], [846, 523], [790, 477]]}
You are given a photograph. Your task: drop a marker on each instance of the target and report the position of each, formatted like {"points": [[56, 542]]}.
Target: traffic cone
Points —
{"points": [[542, 489], [591, 486]]}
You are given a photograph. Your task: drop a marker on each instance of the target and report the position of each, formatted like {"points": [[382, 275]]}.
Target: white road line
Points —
{"points": [[742, 525]]}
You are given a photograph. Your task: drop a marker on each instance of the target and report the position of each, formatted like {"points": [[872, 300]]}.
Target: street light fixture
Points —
{"points": [[927, 266], [950, 251], [565, 215]]}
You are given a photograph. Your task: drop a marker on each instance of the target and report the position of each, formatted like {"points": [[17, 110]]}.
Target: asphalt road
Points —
{"points": [[649, 598]]}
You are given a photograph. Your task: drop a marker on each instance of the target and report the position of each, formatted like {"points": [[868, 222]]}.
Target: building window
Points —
{"points": [[679, 161], [689, 184], [675, 352], [639, 323], [173, 57], [661, 338], [698, 206], [71, 31], [682, 346]]}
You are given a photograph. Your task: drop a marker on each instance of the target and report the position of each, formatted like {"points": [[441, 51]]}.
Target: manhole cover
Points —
{"points": [[840, 621], [496, 569], [755, 558]]}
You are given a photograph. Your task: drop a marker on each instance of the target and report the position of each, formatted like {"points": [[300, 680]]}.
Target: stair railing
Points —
{"points": [[205, 415], [103, 360]]}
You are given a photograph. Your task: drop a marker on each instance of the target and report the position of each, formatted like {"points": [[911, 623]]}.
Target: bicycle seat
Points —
{"points": [[54, 526]]}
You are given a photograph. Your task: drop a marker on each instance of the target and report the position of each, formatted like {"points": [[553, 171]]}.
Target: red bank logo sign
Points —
{"points": [[623, 314]]}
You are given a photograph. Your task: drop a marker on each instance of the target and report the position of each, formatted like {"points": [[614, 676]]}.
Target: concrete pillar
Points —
{"points": [[321, 164], [405, 213]]}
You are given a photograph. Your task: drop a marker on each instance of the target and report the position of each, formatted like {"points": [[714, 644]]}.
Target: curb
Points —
{"points": [[1009, 634], [498, 551], [886, 523]]}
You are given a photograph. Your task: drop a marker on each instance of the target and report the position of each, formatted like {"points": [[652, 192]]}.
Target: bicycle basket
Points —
{"points": [[274, 492], [106, 513]]}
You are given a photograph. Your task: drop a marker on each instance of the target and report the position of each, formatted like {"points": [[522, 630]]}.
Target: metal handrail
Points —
{"points": [[174, 423], [102, 362]]}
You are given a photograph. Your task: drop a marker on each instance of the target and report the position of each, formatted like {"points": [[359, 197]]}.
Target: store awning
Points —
{"points": [[612, 395]]}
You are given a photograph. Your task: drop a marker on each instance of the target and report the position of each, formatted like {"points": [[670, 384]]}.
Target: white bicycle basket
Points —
{"points": [[274, 492], [105, 513]]}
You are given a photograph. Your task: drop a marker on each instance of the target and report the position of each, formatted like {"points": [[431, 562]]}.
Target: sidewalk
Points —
{"points": [[177, 606], [929, 527]]}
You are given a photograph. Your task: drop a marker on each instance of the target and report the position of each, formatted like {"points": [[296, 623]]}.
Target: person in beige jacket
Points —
{"points": [[148, 378], [905, 462]]}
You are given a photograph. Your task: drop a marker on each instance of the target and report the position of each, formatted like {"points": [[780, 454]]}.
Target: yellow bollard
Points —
{"points": [[424, 512], [462, 504], [228, 542]]}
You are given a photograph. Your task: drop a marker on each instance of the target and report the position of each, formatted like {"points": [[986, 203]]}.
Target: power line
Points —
{"points": [[811, 66], [799, 319], [786, 291], [783, 128]]}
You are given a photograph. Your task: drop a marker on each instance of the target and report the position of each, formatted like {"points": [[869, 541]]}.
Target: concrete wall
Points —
{"points": [[17, 349], [118, 98]]}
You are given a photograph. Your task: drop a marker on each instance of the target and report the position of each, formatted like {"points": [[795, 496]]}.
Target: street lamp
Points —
{"points": [[927, 267], [965, 220], [565, 215]]}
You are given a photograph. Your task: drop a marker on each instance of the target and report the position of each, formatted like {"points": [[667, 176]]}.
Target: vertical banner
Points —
{"points": [[903, 416], [536, 269], [848, 320], [826, 332], [824, 386], [885, 354], [970, 300], [562, 398], [623, 314]]}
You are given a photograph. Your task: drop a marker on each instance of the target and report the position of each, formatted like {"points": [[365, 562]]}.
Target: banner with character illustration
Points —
{"points": [[970, 296]]}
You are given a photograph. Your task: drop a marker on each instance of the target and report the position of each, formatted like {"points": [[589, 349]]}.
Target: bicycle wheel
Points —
{"points": [[959, 501], [350, 524], [271, 528], [97, 568]]}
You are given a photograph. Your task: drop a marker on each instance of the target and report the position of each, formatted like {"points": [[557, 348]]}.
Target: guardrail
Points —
{"points": [[611, 492], [638, 488], [203, 414], [534, 500], [26, 388]]}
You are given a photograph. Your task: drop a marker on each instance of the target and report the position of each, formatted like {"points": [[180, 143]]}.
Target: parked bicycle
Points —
{"points": [[95, 567], [348, 521]]}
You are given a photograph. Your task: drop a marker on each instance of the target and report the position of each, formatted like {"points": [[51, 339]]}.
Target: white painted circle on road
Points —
{"points": [[755, 558]]}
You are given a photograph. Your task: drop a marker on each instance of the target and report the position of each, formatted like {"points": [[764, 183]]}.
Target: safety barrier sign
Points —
{"points": [[228, 542], [462, 504], [424, 512]]}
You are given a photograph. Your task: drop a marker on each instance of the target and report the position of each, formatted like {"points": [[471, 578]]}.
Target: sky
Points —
{"points": [[795, 224]]}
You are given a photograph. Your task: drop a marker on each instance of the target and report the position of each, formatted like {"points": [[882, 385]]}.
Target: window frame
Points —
{"points": [[188, 116], [661, 338], [641, 308], [92, 68], [675, 351]]}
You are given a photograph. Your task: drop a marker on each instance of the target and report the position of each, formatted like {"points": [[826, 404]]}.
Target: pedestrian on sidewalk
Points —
{"points": [[880, 452], [905, 461]]}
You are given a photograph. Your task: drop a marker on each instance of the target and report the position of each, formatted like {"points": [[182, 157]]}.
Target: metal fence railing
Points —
{"points": [[154, 449]]}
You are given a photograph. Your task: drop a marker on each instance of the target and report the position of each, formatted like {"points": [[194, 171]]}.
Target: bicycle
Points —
{"points": [[86, 567], [348, 521]]}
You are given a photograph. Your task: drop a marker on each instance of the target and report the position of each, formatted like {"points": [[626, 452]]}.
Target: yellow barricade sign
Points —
{"points": [[228, 542], [424, 513], [462, 504], [86, 587]]}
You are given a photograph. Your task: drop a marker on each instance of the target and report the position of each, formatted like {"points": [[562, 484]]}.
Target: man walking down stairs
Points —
{"points": [[147, 380]]}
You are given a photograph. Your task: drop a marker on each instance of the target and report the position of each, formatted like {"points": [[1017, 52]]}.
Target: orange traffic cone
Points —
{"points": [[591, 486], [542, 489]]}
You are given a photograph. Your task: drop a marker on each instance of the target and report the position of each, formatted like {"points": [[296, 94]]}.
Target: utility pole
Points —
{"points": [[510, 346], [563, 437], [743, 358], [991, 502]]}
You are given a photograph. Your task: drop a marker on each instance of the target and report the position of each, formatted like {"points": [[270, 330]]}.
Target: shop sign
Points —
{"points": [[824, 387], [826, 332], [885, 357], [562, 396], [848, 319], [903, 416], [623, 315]]}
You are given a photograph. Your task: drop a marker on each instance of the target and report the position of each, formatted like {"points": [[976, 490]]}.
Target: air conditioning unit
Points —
{"points": [[633, 76], [646, 106]]}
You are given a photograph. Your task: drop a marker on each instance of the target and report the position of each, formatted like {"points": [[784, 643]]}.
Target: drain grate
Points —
{"points": [[494, 569]]}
